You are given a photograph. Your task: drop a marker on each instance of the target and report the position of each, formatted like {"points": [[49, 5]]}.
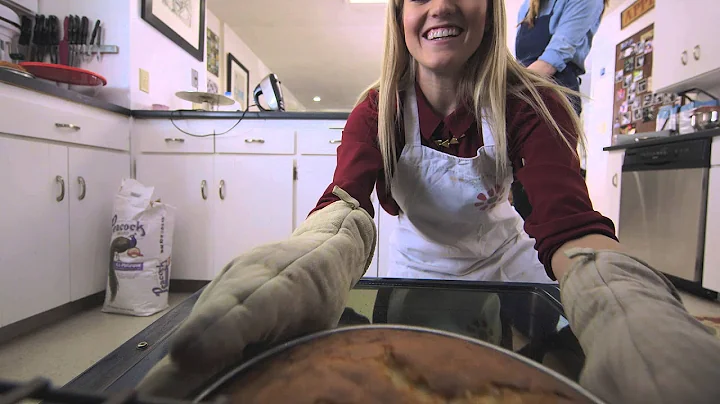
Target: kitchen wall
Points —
{"points": [[598, 109], [115, 15], [233, 44]]}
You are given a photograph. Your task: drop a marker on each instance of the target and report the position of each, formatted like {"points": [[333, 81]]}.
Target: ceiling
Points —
{"points": [[326, 48]]}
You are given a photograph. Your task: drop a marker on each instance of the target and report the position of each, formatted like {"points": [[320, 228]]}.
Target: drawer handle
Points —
{"points": [[221, 190], [174, 140], [336, 141], [696, 52], [684, 58], [59, 179], [203, 190], [258, 140], [83, 188], [66, 126], [336, 128], [615, 180]]}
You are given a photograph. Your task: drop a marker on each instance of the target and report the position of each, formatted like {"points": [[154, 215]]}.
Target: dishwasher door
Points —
{"points": [[662, 218]]}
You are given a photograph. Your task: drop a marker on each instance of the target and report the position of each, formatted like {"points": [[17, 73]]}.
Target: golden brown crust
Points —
{"points": [[398, 366]]}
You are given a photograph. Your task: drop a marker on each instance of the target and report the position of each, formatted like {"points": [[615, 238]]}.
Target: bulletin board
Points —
{"points": [[635, 105]]}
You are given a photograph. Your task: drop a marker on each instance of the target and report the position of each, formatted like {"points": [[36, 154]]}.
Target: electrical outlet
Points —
{"points": [[194, 78], [144, 81]]}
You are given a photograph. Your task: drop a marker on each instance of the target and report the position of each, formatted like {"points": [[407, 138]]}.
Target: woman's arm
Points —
{"points": [[576, 18]]}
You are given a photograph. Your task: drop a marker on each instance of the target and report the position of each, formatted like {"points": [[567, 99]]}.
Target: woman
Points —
{"points": [[448, 58], [554, 38]]}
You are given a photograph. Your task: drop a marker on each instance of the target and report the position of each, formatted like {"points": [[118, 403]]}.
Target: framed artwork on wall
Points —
{"points": [[213, 53], [238, 82], [182, 21]]}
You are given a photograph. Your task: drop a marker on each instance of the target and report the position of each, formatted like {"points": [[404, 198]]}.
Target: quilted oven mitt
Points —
{"points": [[270, 294]]}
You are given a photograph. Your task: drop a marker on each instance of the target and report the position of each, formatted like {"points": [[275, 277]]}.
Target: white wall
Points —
{"points": [[115, 15], [512, 7], [598, 110], [233, 44]]}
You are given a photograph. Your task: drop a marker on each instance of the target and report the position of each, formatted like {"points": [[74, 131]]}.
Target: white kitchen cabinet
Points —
{"points": [[686, 52], [314, 175], [711, 265], [34, 246], [614, 177], [254, 203], [95, 177], [185, 182]]}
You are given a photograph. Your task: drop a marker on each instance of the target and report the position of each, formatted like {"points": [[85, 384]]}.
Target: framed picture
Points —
{"points": [[238, 82], [212, 86], [213, 53], [182, 21], [637, 115], [647, 100], [642, 86], [639, 61]]}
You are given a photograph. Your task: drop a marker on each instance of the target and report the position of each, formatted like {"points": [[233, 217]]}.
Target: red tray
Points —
{"points": [[64, 74]]}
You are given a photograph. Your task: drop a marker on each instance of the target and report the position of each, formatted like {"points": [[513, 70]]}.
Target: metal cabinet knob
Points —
{"points": [[258, 140], [67, 126], [203, 190], [615, 180], [221, 190], [59, 180], [696, 52], [83, 188], [684, 58]]}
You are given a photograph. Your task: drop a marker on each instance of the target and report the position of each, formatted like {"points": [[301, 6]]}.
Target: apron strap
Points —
{"points": [[487, 136], [411, 118]]}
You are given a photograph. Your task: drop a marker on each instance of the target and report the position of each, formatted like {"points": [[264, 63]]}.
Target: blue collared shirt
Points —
{"points": [[572, 27]]}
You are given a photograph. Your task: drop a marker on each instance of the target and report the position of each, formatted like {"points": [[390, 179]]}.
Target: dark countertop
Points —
{"points": [[190, 114], [51, 89], [665, 140], [45, 87]]}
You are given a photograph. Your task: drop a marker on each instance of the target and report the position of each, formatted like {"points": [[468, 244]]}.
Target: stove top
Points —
{"points": [[525, 318]]}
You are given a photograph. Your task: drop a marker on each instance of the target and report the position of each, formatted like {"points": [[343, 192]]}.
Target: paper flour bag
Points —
{"points": [[140, 247]]}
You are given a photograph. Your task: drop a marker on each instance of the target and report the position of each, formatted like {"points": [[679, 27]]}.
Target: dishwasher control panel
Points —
{"points": [[683, 154]]}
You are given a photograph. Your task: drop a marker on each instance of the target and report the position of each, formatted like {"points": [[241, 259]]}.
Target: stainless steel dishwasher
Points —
{"points": [[663, 204]]}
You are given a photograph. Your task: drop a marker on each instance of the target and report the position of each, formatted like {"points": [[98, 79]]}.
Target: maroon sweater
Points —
{"points": [[561, 207]]}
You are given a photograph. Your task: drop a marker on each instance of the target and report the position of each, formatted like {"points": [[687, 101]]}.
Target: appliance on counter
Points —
{"points": [[270, 88], [530, 319], [663, 204], [9, 33]]}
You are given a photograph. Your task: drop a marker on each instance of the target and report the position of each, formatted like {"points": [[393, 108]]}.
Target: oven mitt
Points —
{"points": [[641, 345], [268, 295]]}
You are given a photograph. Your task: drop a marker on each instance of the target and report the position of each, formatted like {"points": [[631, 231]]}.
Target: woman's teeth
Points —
{"points": [[439, 33]]}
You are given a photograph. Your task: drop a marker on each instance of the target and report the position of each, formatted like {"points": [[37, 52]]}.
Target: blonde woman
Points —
{"points": [[451, 120]]}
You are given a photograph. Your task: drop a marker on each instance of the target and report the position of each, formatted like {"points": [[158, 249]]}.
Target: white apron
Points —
{"points": [[455, 220]]}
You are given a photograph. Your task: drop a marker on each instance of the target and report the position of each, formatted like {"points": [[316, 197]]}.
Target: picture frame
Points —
{"points": [[238, 82], [181, 21], [213, 53], [642, 86]]}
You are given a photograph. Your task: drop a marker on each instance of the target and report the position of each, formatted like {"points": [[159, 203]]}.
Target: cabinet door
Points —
{"points": [[614, 176], [711, 265], [703, 45], [178, 181], [34, 248], [315, 173], [95, 177], [254, 203], [671, 18]]}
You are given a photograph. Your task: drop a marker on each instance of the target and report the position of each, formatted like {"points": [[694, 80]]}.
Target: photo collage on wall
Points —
{"points": [[635, 104]]}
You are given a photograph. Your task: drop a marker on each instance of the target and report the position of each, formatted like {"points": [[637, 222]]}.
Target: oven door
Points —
{"points": [[662, 219]]}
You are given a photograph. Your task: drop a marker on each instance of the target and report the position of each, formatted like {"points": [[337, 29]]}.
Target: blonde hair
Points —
{"points": [[491, 75], [534, 10]]}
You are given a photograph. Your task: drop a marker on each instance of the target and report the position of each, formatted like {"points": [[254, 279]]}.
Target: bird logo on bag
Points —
{"points": [[119, 245]]}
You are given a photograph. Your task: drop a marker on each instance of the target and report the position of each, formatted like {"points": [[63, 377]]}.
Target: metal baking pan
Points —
{"points": [[212, 392]]}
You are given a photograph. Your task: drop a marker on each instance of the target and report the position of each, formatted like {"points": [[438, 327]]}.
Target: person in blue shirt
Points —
{"points": [[554, 38]]}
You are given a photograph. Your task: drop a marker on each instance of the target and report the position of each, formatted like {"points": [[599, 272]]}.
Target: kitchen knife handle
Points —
{"points": [[66, 29], [95, 31], [84, 30]]}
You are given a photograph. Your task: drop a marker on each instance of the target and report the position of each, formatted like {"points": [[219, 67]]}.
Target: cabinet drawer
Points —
{"points": [[321, 141], [161, 136], [26, 113], [258, 137], [715, 152]]}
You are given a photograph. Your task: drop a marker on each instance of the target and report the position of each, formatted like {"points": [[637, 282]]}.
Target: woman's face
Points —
{"points": [[442, 34]]}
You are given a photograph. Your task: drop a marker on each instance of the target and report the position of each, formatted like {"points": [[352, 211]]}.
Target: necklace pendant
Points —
{"points": [[443, 143], [454, 140]]}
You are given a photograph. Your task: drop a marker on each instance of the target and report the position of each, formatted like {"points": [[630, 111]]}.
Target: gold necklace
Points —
{"points": [[448, 142]]}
